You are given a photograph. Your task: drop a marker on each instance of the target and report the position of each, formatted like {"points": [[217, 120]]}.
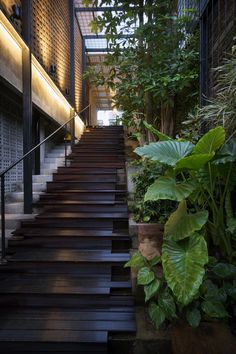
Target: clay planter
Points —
{"points": [[150, 238], [208, 338]]}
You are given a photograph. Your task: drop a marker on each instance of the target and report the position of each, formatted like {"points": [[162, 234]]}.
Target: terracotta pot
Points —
{"points": [[208, 338], [150, 238]]}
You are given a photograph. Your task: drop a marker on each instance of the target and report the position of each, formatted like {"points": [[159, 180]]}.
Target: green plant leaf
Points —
{"points": [[214, 309], [210, 142], [193, 317], [156, 314], [137, 260], [224, 270], [181, 225], [183, 265], [212, 292], [230, 289], [167, 303], [154, 261], [145, 276], [166, 152], [161, 136], [151, 289], [194, 162], [227, 153], [167, 188]]}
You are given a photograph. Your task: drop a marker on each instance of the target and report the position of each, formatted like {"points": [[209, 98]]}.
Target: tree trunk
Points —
{"points": [[168, 119]]}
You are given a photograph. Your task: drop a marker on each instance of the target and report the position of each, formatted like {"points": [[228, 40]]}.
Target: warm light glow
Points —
{"points": [[79, 126], [11, 53], [45, 94]]}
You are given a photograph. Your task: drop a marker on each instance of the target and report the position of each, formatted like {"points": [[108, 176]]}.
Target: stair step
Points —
{"points": [[82, 243], [24, 341], [85, 171], [76, 232], [92, 203], [84, 195], [71, 256], [73, 208], [71, 223], [84, 215], [58, 185], [103, 164], [112, 178], [77, 269]]}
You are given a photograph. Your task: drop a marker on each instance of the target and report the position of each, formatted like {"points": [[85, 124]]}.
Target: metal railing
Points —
{"points": [[3, 173]]}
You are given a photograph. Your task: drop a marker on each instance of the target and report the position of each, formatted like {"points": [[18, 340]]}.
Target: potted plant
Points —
{"points": [[150, 216]]}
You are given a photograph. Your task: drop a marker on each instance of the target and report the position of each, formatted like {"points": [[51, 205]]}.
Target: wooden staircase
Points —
{"points": [[64, 289]]}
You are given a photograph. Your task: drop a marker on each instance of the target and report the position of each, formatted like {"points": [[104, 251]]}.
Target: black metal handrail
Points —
{"points": [[3, 173]]}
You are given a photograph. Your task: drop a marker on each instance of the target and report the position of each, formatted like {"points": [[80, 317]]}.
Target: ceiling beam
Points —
{"points": [[101, 50], [103, 36], [99, 9]]}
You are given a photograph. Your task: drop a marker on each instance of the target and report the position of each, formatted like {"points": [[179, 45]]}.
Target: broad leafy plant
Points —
{"points": [[200, 177]]}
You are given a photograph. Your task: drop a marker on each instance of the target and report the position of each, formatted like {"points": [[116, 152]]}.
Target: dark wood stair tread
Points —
{"points": [[82, 215], [65, 232], [95, 325], [33, 335], [74, 256], [115, 314]]}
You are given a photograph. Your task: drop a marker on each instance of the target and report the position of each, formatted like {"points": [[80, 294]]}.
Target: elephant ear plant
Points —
{"points": [[200, 177]]}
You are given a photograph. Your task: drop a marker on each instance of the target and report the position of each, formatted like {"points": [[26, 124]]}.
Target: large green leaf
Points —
{"points": [[166, 152], [194, 162], [145, 276], [156, 313], [168, 188], [181, 224], [227, 153], [136, 261], [224, 270], [212, 292], [183, 265], [167, 303], [161, 136], [210, 142], [151, 289], [214, 309]]}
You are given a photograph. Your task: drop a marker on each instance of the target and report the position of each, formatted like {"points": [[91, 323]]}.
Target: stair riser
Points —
{"points": [[89, 223], [51, 348], [85, 178], [90, 170], [75, 242], [95, 159], [79, 196], [66, 301], [101, 165], [85, 208], [54, 186], [79, 243]]}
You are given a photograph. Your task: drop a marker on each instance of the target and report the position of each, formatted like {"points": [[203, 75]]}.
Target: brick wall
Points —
{"points": [[78, 68], [51, 38]]}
